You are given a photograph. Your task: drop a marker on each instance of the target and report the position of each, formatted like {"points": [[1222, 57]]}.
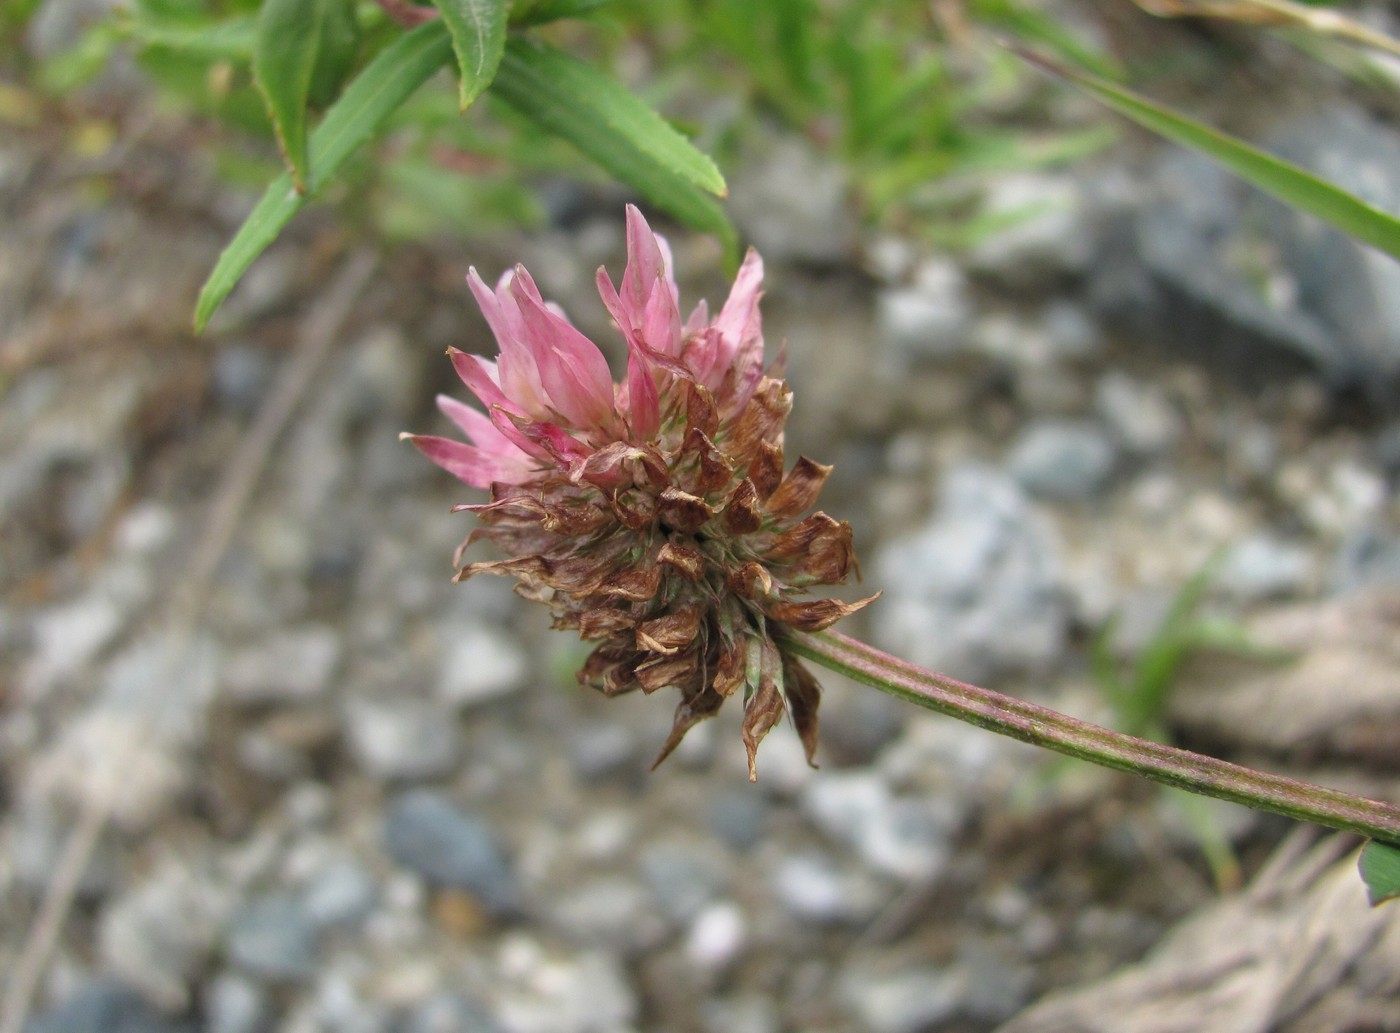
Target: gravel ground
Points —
{"points": [[343, 794]]}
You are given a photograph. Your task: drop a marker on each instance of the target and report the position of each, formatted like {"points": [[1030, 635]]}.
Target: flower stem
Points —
{"points": [[1042, 726]]}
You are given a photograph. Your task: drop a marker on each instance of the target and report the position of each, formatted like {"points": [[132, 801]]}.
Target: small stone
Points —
{"points": [[906, 838], [403, 738], [289, 666], [448, 1013], [902, 1002], [1140, 417], [105, 1006], [599, 749], [927, 320], [480, 663], [67, 637], [684, 876], [1264, 566], [717, 935], [340, 896], [35, 844], [240, 376], [739, 817], [428, 834], [985, 571], [1045, 235], [994, 987], [813, 888], [1062, 460], [1368, 557], [813, 224], [755, 1013], [272, 940], [610, 912], [158, 935], [588, 993], [233, 1004]]}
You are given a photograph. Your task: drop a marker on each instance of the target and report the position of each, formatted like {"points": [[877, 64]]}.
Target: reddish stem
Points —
{"points": [[1042, 726]]}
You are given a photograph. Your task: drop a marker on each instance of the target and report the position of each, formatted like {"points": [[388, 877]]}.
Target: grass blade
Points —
{"points": [[1290, 184], [384, 84], [478, 30]]}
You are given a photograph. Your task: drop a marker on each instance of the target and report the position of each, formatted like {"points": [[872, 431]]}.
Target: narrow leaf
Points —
{"points": [[542, 11], [384, 84], [478, 30], [1380, 867], [578, 90], [284, 56], [231, 38], [1290, 184], [340, 43], [598, 116]]}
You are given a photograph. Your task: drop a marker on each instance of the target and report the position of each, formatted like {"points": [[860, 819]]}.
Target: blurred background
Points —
{"points": [[1115, 431]]}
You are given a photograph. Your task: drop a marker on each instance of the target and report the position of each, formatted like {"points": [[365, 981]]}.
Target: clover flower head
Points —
{"points": [[653, 516]]}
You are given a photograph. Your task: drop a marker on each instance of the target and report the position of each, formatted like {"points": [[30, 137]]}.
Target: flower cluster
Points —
{"points": [[654, 515]]}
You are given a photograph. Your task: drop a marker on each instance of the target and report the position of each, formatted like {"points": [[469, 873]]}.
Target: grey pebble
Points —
{"points": [[271, 939], [1062, 459], [105, 1006], [448, 847], [402, 738]]}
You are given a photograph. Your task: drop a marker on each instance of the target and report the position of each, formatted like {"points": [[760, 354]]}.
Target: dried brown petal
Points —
{"points": [[685, 559], [689, 713], [602, 621], [670, 632], [729, 672], [683, 511], [813, 614], [760, 420], [609, 668], [799, 489], [752, 581], [712, 471], [639, 584], [742, 514], [763, 710], [700, 413], [766, 470], [661, 672], [803, 694], [819, 548]]}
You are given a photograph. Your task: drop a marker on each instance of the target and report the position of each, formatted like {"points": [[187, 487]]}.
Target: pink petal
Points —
{"points": [[517, 374], [480, 375], [648, 263], [469, 464], [573, 371], [642, 406], [739, 323], [479, 429]]}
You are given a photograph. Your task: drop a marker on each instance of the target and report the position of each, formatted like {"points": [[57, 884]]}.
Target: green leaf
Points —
{"points": [[1380, 867], [612, 127], [340, 43], [542, 11], [1290, 184], [478, 30], [599, 116], [298, 43], [232, 38], [384, 84]]}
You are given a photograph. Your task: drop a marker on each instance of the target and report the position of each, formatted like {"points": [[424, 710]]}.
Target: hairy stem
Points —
{"points": [[1042, 726]]}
